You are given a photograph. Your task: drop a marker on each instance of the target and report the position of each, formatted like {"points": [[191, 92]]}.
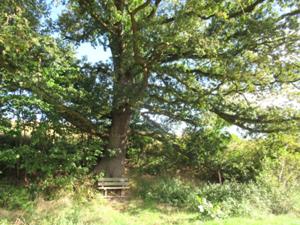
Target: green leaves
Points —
{"points": [[229, 50], [175, 61]]}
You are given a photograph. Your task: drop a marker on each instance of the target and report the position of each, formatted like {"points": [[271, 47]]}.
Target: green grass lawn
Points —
{"points": [[269, 220], [66, 211]]}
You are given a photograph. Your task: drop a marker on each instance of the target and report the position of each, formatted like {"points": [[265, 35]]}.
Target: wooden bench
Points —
{"points": [[107, 184]]}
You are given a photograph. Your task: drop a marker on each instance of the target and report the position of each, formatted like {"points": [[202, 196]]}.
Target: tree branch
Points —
{"points": [[292, 13], [152, 13], [240, 121], [140, 7], [86, 5], [248, 9]]}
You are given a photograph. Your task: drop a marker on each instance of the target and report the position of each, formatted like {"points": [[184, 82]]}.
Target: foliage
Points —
{"points": [[244, 160], [219, 200], [147, 155], [167, 190], [234, 199], [48, 153], [197, 63], [198, 150], [204, 148], [210, 154], [13, 198], [160, 63], [208, 210], [45, 156], [281, 179], [175, 61]]}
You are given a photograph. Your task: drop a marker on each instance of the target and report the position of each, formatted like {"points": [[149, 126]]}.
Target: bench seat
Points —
{"points": [[114, 183]]}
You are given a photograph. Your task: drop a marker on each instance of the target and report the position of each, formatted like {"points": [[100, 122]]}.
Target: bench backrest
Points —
{"points": [[113, 182]]}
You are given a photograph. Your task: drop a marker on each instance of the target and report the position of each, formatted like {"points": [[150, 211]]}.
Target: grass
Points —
{"points": [[270, 220], [70, 211]]}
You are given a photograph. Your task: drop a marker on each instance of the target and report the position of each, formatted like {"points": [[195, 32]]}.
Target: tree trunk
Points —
{"points": [[114, 165]]}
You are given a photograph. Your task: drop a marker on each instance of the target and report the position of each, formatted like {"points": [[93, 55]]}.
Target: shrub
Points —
{"points": [[280, 178], [208, 210], [167, 190], [40, 160], [217, 200], [235, 199], [12, 198]]}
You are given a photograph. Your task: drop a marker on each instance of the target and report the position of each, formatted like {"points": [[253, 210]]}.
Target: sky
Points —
{"points": [[92, 54]]}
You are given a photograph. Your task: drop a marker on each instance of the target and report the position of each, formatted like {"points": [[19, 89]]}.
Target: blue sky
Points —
{"points": [[92, 54]]}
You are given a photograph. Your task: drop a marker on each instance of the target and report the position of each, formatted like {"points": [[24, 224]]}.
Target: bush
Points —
{"points": [[242, 160], [167, 190], [245, 160], [12, 198], [280, 178], [217, 200], [42, 159], [235, 199]]}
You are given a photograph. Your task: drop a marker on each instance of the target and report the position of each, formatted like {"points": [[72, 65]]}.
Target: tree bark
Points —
{"points": [[113, 165]]}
